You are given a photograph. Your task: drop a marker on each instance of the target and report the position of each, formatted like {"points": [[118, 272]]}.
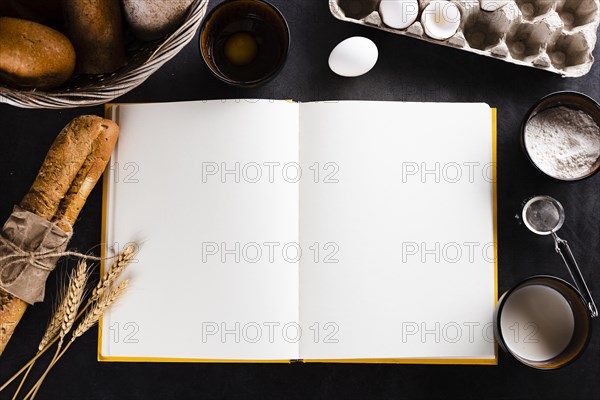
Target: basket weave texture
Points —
{"points": [[144, 58]]}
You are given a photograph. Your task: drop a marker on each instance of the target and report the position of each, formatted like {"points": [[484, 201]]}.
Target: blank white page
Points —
{"points": [[397, 224], [203, 186]]}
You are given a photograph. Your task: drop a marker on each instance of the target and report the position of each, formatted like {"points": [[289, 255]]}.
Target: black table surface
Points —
{"points": [[407, 70]]}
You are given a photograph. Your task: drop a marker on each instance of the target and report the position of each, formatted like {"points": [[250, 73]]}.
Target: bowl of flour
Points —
{"points": [[561, 136]]}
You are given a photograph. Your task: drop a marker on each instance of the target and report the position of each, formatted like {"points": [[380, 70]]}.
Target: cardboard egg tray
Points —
{"points": [[554, 35]]}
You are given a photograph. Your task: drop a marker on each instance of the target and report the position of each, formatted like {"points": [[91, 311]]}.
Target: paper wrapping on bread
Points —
{"points": [[30, 246], [68, 174]]}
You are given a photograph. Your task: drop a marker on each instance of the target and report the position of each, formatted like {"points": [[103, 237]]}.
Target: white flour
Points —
{"points": [[564, 143]]}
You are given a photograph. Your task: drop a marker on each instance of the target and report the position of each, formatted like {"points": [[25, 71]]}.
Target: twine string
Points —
{"points": [[40, 259]]}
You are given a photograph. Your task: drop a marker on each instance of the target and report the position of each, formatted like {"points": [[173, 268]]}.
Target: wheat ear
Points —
{"points": [[55, 323], [73, 300], [113, 273], [74, 297], [51, 331], [60, 314], [89, 320], [98, 309]]}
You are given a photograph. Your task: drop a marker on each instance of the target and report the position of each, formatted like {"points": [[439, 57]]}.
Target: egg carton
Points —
{"points": [[554, 35]]}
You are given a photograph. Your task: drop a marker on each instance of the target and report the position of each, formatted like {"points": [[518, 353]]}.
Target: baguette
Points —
{"points": [[89, 173], [71, 169], [61, 165]]}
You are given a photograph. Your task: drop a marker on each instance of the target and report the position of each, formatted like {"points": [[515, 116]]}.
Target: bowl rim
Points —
{"points": [[530, 114], [255, 82], [498, 315]]}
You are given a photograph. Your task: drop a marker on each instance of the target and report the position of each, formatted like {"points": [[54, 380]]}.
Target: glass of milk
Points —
{"points": [[543, 322]]}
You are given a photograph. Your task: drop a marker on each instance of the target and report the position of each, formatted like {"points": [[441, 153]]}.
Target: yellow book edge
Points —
{"points": [[430, 361]]}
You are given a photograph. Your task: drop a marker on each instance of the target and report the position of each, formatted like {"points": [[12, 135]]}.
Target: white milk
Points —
{"points": [[537, 323]]}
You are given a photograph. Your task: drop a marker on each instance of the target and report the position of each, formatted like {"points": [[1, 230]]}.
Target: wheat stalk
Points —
{"points": [[100, 306], [55, 323], [73, 294], [74, 297], [89, 320], [106, 282], [63, 319], [51, 331], [69, 310], [113, 273]]}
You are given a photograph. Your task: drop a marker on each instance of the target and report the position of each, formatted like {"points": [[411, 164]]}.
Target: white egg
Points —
{"points": [[441, 19], [354, 56], [492, 5], [399, 14]]}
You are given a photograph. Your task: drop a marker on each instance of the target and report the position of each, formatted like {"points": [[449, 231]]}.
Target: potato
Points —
{"points": [[33, 55]]}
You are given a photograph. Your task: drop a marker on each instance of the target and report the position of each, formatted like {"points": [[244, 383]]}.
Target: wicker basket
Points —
{"points": [[144, 58]]}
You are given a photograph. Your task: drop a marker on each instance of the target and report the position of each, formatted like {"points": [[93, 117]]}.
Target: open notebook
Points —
{"points": [[275, 231]]}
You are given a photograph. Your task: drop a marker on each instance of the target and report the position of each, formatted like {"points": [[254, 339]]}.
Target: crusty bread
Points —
{"points": [[151, 19], [62, 164], [33, 55], [89, 173], [11, 311], [95, 28], [70, 171]]}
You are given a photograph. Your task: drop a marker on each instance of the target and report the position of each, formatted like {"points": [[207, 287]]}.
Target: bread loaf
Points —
{"points": [[151, 19], [94, 27], [71, 169], [89, 173], [34, 55]]}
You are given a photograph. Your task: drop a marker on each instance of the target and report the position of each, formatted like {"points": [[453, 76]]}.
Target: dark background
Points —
{"points": [[407, 70]]}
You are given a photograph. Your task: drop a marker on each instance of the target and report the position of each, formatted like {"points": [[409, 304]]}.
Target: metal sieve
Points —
{"points": [[544, 215]]}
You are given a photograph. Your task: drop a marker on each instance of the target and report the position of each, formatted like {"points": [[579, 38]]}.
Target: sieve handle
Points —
{"points": [[562, 248]]}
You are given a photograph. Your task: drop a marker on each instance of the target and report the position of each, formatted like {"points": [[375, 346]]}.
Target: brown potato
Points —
{"points": [[33, 55]]}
